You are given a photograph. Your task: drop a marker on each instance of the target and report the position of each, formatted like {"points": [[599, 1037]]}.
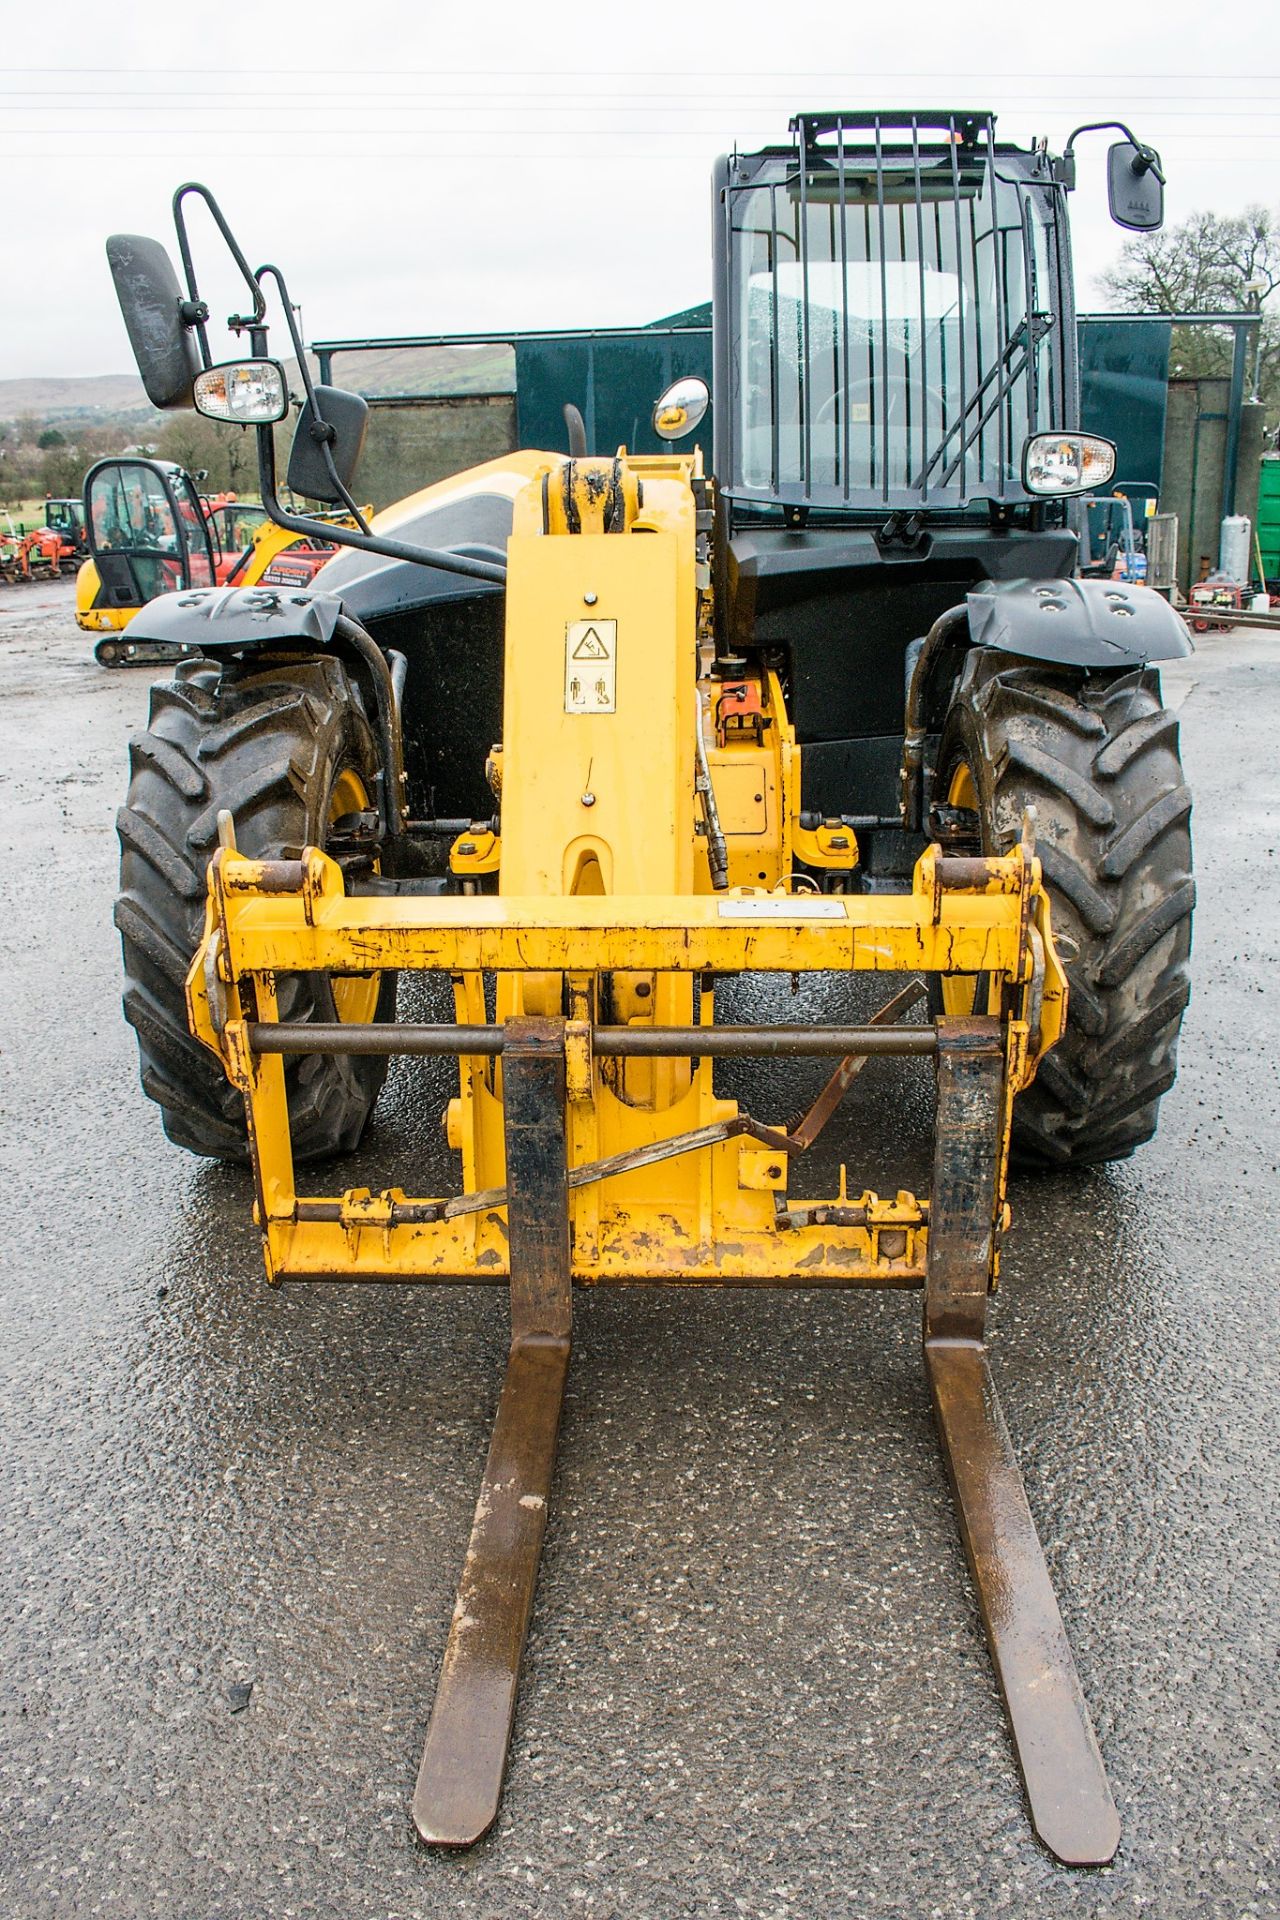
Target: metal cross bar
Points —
{"points": [[806, 1130], [711, 1042], [762, 1042]]}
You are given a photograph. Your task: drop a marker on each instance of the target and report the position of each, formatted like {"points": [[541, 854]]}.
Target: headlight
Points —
{"points": [[1058, 463], [249, 393]]}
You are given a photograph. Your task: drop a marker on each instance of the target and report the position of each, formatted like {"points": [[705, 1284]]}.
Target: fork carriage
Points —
{"points": [[701, 1197]]}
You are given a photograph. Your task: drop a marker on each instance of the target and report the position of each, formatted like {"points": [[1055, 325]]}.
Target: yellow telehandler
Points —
{"points": [[589, 737]]}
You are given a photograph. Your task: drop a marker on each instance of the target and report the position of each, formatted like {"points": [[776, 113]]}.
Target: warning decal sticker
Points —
{"points": [[591, 666]]}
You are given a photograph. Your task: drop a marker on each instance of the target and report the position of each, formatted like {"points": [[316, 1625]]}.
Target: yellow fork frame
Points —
{"points": [[713, 1213]]}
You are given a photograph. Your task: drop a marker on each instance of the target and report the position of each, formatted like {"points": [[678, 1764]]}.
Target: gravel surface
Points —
{"points": [[756, 1683]]}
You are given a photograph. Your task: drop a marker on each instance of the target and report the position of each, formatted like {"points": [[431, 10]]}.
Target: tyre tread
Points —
{"points": [[1098, 757], [259, 741]]}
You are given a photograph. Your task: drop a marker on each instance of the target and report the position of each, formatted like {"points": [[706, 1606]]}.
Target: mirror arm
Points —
{"points": [[331, 468], [447, 560], [237, 322], [275, 274], [1065, 169], [300, 354], [1145, 160], [359, 536]]}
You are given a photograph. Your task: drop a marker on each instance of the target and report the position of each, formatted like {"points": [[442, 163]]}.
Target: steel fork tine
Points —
{"points": [[1071, 1805], [460, 1780], [464, 1760]]}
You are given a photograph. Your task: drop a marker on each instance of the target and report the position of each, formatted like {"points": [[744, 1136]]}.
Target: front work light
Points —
{"points": [[1060, 463], [248, 393]]}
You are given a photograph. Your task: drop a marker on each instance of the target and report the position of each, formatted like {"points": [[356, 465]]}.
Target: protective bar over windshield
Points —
{"points": [[895, 315]]}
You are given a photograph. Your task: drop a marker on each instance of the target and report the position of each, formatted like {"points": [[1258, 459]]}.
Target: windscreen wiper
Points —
{"points": [[1024, 341]]}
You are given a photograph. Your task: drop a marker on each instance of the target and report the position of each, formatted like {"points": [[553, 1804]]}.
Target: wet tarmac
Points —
{"points": [[756, 1683]]}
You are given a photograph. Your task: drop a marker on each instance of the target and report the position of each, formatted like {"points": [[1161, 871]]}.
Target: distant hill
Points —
{"points": [[105, 399], [100, 397], [427, 370]]}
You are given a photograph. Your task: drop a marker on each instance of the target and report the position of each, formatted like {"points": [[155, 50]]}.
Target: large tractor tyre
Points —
{"points": [[1097, 757], [287, 749]]}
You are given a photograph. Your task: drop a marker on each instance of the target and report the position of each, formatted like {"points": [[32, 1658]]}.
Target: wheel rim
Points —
{"points": [[355, 995], [961, 992]]}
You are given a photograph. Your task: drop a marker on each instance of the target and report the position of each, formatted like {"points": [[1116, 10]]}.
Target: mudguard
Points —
{"points": [[213, 618], [1079, 623]]}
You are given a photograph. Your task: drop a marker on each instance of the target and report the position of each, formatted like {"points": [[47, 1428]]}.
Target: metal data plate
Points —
{"points": [[591, 666], [789, 907]]}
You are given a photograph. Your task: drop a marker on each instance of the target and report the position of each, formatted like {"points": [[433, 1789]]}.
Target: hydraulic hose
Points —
{"points": [[388, 706], [717, 852], [940, 634]]}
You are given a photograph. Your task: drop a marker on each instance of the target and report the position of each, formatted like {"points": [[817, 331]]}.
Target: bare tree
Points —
{"points": [[61, 471], [227, 454], [1210, 263]]}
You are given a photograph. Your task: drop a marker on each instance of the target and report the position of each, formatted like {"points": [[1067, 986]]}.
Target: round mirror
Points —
{"points": [[681, 408]]}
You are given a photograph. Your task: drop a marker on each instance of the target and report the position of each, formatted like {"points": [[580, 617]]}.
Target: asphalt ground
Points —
{"points": [[756, 1682]]}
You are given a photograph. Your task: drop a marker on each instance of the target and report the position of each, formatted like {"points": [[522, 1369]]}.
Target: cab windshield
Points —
{"points": [[892, 328], [64, 515], [233, 527]]}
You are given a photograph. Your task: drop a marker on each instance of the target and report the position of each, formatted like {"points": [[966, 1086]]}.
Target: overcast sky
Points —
{"points": [[424, 168]]}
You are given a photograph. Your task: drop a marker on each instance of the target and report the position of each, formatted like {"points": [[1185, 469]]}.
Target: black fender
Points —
{"points": [[214, 619], [1098, 625], [1077, 623], [238, 620]]}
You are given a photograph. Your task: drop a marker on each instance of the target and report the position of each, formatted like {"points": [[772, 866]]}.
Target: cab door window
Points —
{"points": [[195, 534], [236, 525], [132, 513]]}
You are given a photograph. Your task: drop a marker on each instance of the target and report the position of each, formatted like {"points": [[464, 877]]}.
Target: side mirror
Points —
{"points": [[681, 408], [156, 317], [343, 423], [1135, 186]]}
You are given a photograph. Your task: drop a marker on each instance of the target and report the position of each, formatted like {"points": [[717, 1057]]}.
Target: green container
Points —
{"points": [[1269, 516]]}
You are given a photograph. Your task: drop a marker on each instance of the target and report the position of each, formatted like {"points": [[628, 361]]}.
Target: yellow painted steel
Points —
{"points": [[605, 913], [355, 995], [926, 930], [961, 992], [97, 619], [704, 1216]]}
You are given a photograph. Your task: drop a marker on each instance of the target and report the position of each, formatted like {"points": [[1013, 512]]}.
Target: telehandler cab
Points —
{"points": [[590, 736]]}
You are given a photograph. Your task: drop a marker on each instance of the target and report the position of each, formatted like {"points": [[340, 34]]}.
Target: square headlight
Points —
{"points": [[247, 393], [1056, 464]]}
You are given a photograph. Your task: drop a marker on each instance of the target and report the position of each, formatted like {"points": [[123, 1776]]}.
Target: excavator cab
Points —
{"points": [[147, 531], [66, 519], [234, 525]]}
